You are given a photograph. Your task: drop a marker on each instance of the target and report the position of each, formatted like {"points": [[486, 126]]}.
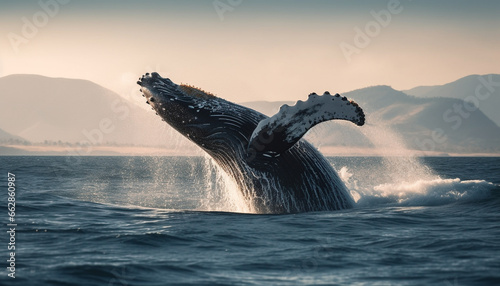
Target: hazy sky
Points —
{"points": [[246, 50]]}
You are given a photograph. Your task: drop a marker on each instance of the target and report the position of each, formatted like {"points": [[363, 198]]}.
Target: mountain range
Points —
{"points": [[428, 118], [6, 137], [481, 90], [420, 123], [42, 109]]}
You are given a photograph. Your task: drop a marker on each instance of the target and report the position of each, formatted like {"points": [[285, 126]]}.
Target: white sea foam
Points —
{"points": [[400, 179], [222, 192], [420, 192]]}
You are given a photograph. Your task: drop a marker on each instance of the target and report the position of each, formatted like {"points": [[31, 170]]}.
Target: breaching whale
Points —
{"points": [[275, 169]]}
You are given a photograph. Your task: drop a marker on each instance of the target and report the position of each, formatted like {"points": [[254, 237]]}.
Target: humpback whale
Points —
{"points": [[275, 169]]}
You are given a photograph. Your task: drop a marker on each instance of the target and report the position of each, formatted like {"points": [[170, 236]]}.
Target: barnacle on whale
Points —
{"points": [[195, 92]]}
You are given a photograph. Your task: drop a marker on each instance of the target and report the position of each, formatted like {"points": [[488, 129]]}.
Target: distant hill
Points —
{"points": [[417, 118], [40, 108], [413, 118], [486, 85], [7, 137]]}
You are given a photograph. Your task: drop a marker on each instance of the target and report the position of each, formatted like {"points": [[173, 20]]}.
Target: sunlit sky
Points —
{"points": [[253, 50]]}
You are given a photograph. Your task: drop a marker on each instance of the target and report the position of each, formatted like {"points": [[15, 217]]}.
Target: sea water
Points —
{"points": [[179, 221]]}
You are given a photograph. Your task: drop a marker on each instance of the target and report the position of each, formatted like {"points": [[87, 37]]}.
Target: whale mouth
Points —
{"points": [[156, 88]]}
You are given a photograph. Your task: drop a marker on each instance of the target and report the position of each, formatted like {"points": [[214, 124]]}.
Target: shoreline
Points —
{"points": [[328, 151]]}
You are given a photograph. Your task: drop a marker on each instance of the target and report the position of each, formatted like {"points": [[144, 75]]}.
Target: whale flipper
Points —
{"points": [[276, 134]]}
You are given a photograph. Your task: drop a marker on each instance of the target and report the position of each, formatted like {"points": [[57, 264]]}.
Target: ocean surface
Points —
{"points": [[178, 221]]}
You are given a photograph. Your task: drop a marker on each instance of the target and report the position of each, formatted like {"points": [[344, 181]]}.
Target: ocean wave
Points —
{"points": [[427, 191]]}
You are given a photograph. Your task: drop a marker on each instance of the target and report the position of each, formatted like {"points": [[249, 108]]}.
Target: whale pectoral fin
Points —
{"points": [[276, 134]]}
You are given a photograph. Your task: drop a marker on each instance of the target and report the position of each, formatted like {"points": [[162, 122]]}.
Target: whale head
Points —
{"points": [[214, 124]]}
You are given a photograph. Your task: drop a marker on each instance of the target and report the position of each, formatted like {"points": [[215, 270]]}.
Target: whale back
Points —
{"points": [[299, 180]]}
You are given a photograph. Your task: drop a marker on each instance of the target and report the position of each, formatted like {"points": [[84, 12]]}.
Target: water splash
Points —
{"points": [[399, 163], [399, 178], [396, 177], [420, 192], [221, 192]]}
